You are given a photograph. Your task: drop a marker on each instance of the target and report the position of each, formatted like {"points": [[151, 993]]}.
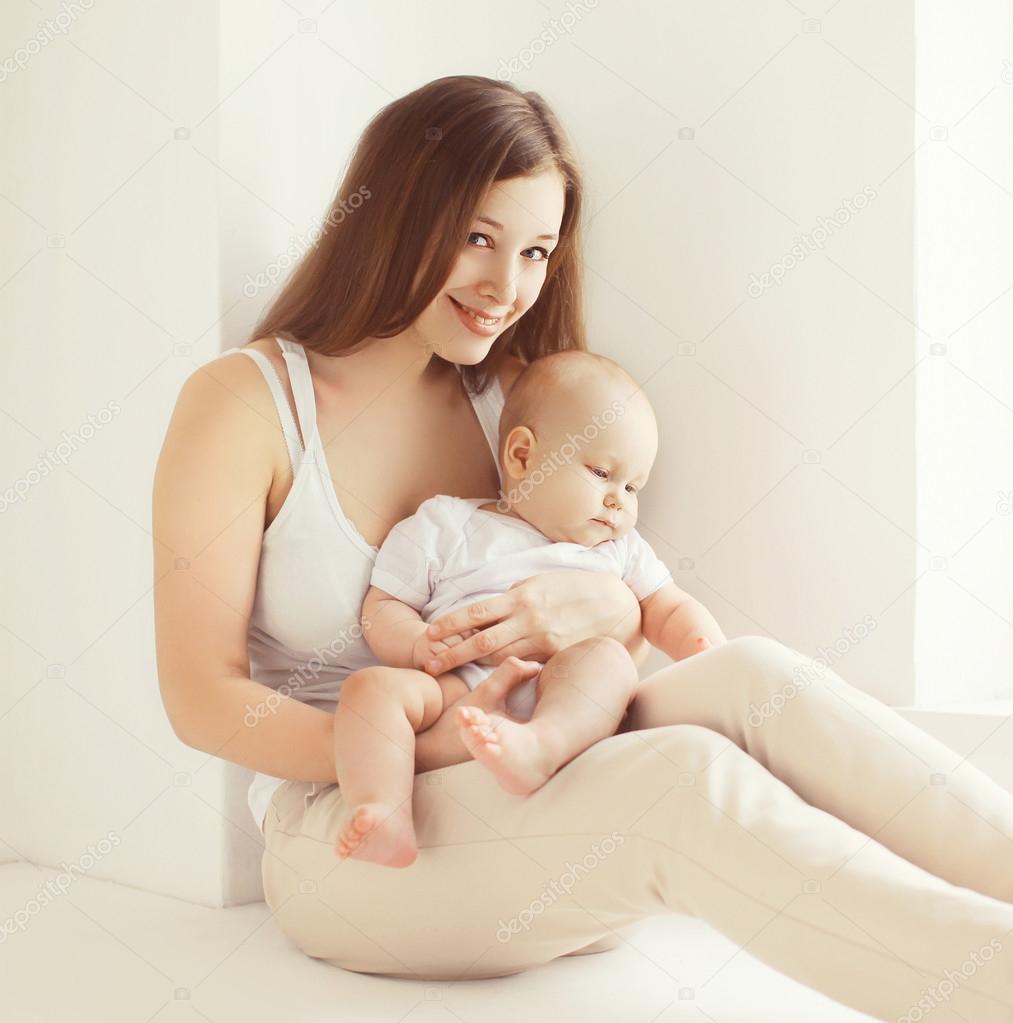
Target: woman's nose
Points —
{"points": [[502, 287]]}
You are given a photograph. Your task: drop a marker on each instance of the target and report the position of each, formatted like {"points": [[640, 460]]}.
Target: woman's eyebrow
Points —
{"points": [[499, 227]]}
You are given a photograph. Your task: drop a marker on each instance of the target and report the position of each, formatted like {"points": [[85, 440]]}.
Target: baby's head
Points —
{"points": [[577, 441]]}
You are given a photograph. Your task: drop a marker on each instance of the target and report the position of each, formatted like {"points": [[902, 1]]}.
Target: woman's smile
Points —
{"points": [[484, 326]]}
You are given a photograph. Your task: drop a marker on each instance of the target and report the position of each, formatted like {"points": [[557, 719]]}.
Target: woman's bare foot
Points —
{"points": [[379, 833], [514, 752]]}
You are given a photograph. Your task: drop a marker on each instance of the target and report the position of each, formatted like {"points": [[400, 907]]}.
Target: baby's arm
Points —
{"points": [[677, 623], [396, 633]]}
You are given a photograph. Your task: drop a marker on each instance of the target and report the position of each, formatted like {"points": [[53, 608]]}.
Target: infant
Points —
{"points": [[577, 441]]}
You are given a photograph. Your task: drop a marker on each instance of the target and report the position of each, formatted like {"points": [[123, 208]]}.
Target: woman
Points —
{"points": [[745, 783]]}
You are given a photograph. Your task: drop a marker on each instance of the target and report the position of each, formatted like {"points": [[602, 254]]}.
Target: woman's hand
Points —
{"points": [[537, 618]]}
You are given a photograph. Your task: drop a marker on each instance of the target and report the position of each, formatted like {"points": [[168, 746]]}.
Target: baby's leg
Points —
{"points": [[583, 693], [375, 722]]}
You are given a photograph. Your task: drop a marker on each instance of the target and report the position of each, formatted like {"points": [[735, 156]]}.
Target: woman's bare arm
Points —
{"points": [[211, 484]]}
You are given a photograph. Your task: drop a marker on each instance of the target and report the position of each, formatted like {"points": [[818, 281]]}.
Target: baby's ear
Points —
{"points": [[517, 449]]}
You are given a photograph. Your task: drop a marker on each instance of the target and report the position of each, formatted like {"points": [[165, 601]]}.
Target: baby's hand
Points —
{"points": [[426, 649]]}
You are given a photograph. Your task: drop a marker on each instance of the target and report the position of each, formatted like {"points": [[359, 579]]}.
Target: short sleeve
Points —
{"points": [[410, 557], [643, 571]]}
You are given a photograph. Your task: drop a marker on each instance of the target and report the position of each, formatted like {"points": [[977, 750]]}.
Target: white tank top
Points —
{"points": [[304, 636]]}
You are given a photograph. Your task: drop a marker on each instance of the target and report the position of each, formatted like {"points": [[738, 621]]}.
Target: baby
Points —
{"points": [[577, 441]]}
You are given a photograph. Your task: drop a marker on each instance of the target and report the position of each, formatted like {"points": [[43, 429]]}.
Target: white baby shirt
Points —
{"points": [[450, 553]]}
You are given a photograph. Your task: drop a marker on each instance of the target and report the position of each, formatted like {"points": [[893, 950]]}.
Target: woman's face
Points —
{"points": [[500, 270]]}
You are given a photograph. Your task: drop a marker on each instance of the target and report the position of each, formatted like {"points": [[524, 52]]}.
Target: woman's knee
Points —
{"points": [[759, 656], [770, 672]]}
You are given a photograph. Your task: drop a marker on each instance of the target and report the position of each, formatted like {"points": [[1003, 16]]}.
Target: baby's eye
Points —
{"points": [[631, 488], [600, 473]]}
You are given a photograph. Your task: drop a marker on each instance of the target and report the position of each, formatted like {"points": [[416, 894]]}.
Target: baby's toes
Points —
{"points": [[473, 717]]}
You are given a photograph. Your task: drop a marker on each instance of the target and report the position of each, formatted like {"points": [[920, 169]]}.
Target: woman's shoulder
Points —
{"points": [[227, 361], [226, 384], [229, 398]]}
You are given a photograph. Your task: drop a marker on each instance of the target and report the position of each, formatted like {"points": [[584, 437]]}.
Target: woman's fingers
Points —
{"points": [[474, 616], [482, 642], [519, 648]]}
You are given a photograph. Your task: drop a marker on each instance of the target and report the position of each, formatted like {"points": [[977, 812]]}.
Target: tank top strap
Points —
{"points": [[302, 388], [488, 407], [288, 427]]}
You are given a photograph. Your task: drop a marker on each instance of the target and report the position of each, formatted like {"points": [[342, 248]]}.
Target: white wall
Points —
{"points": [[786, 484], [109, 295], [785, 491], [964, 254]]}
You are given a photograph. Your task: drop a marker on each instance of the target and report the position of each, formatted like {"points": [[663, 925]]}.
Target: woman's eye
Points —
{"points": [[487, 243]]}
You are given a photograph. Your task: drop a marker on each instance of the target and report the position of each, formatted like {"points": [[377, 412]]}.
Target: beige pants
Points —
{"points": [[744, 794]]}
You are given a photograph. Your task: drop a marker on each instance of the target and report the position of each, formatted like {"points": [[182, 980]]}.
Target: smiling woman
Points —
{"points": [[500, 273], [375, 382], [457, 163]]}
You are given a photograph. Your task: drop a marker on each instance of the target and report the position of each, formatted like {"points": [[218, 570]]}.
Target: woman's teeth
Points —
{"points": [[484, 320]]}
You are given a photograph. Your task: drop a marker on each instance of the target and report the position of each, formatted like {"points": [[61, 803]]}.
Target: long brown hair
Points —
{"points": [[401, 216]]}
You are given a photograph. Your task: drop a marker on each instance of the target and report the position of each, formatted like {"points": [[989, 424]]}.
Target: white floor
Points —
{"points": [[109, 953]]}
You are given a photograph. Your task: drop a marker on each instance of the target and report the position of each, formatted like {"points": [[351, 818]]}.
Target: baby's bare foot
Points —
{"points": [[512, 751], [380, 833]]}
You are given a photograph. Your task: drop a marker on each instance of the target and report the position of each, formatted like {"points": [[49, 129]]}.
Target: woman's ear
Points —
{"points": [[517, 451]]}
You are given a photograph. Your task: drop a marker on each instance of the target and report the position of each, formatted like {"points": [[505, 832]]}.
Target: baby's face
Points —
{"points": [[579, 477]]}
